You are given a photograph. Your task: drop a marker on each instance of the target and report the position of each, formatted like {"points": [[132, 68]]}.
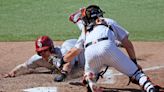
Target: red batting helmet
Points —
{"points": [[43, 43]]}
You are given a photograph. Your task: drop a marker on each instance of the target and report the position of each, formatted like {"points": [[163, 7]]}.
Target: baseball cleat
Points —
{"points": [[61, 77], [158, 88]]}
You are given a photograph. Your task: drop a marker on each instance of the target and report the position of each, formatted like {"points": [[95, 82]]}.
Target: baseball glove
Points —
{"points": [[56, 63]]}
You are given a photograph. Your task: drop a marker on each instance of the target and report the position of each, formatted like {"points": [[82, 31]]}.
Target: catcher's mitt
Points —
{"points": [[56, 63]]}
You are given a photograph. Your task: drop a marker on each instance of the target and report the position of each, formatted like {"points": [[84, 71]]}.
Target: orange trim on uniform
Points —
{"points": [[83, 12]]}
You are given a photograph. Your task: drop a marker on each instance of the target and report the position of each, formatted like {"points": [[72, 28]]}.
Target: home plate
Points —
{"points": [[41, 89]]}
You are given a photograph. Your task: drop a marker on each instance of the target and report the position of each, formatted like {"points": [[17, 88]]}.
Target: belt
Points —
{"points": [[94, 42]]}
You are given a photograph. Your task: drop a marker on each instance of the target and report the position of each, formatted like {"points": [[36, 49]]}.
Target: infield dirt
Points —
{"points": [[149, 54]]}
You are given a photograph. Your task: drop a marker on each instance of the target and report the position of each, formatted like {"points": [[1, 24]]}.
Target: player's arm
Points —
{"points": [[69, 56], [76, 18], [16, 70], [127, 44], [25, 68], [122, 35]]}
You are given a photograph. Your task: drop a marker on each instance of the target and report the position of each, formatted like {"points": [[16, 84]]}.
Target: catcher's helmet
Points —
{"points": [[43, 43], [92, 13]]}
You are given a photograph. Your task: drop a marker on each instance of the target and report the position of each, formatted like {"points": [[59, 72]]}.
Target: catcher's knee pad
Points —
{"points": [[142, 80]]}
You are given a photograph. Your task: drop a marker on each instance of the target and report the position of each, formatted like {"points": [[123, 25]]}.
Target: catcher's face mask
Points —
{"points": [[92, 12]]}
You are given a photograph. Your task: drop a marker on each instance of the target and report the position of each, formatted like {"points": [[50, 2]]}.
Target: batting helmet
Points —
{"points": [[43, 43], [92, 12]]}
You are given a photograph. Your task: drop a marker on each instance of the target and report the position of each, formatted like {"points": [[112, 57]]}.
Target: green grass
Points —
{"points": [[24, 20]]}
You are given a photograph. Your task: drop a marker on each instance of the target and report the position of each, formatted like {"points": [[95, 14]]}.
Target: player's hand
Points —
{"points": [[7, 75], [4, 75]]}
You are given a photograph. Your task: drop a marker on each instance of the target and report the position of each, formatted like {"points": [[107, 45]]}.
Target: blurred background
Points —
{"points": [[24, 20]]}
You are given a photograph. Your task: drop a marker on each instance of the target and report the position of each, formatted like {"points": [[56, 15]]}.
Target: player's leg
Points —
{"points": [[90, 82], [123, 64], [90, 78], [93, 66]]}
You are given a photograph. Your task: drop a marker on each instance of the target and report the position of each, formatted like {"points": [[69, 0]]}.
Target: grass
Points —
{"points": [[24, 20]]}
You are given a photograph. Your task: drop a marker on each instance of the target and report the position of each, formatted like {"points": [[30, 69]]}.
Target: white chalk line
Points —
{"points": [[41, 89], [109, 76], [146, 69]]}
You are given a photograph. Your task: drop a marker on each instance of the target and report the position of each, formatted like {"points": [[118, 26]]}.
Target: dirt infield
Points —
{"points": [[150, 56]]}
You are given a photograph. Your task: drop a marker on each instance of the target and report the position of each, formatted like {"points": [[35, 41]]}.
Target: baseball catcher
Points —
{"points": [[98, 39]]}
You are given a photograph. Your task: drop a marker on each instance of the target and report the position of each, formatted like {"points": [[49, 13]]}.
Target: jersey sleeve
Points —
{"points": [[80, 42], [27, 66], [80, 25], [67, 45], [57, 51], [32, 62], [36, 61], [118, 30]]}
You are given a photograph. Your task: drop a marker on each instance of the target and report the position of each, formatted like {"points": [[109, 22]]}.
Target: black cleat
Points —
{"points": [[61, 77], [159, 88], [153, 90]]}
